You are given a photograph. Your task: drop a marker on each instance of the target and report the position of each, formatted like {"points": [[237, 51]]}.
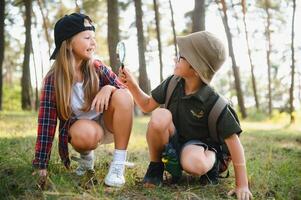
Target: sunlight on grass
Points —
{"points": [[278, 121], [18, 124], [272, 149]]}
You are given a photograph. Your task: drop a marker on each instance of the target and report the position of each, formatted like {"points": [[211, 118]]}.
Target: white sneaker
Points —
{"points": [[115, 176], [85, 163]]}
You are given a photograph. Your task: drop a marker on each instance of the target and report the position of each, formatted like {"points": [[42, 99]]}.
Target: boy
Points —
{"points": [[185, 121]]}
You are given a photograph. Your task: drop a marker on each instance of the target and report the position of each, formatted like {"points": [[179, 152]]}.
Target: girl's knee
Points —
{"points": [[85, 135], [83, 142], [122, 98]]}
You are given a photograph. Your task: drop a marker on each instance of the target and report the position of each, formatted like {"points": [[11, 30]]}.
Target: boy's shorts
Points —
{"points": [[179, 146]]}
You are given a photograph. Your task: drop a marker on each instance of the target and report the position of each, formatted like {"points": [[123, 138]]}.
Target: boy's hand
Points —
{"points": [[126, 77], [242, 193]]}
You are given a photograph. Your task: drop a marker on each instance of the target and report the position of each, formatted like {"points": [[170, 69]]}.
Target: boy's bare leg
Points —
{"points": [[195, 160], [160, 128]]}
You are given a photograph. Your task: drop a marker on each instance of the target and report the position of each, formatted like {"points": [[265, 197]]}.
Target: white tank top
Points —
{"points": [[77, 102]]}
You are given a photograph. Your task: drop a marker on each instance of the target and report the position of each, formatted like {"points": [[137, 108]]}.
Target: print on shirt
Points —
{"points": [[197, 114]]}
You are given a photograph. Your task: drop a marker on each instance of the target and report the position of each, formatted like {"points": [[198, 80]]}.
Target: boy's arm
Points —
{"points": [[238, 158], [144, 101]]}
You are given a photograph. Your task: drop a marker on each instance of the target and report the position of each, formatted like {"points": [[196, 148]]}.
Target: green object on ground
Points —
{"points": [[171, 162]]}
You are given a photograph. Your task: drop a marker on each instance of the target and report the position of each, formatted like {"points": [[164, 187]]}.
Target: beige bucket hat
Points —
{"points": [[204, 52]]}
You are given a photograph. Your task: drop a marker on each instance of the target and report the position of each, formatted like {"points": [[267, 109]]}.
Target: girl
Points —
{"points": [[91, 104], [185, 123]]}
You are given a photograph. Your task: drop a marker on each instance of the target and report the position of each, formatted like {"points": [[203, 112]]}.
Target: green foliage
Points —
{"points": [[255, 115], [12, 97], [279, 117], [272, 152]]}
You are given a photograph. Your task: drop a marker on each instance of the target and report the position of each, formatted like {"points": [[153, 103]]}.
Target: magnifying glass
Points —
{"points": [[120, 51]]}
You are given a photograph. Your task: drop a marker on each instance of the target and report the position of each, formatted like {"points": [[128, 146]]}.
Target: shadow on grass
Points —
{"points": [[273, 161], [17, 181], [15, 169]]}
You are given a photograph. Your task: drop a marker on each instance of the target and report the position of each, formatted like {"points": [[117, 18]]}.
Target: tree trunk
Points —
{"points": [[45, 25], [157, 18], [236, 17], [143, 79], [25, 81], [235, 69], [2, 47], [268, 52], [198, 16], [113, 32], [36, 105], [299, 85], [36, 80], [173, 28], [293, 66], [250, 56]]}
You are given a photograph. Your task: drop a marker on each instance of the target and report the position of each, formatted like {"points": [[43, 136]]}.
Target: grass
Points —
{"points": [[272, 148]]}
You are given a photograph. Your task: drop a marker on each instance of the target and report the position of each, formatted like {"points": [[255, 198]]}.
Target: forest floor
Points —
{"points": [[272, 149]]}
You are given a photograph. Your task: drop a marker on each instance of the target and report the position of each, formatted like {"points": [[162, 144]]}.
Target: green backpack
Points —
{"points": [[223, 154]]}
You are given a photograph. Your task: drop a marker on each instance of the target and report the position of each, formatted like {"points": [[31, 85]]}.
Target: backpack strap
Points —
{"points": [[214, 114], [170, 88]]}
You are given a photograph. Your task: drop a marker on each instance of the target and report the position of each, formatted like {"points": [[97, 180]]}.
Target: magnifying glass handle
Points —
{"points": [[122, 66]]}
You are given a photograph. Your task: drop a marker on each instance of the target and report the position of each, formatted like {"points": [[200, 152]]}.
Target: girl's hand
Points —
{"points": [[43, 172], [127, 78], [242, 193], [42, 179], [101, 100]]}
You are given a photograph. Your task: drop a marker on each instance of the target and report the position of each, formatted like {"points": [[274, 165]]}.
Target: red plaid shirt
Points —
{"points": [[47, 119]]}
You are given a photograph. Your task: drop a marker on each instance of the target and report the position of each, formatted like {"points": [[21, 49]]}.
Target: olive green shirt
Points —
{"points": [[190, 112]]}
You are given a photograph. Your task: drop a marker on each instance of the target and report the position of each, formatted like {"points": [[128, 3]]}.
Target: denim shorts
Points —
{"points": [[108, 137]]}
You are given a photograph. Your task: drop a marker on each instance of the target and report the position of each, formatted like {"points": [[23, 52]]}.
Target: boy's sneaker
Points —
{"points": [[212, 175], [115, 176], [85, 163], [154, 174]]}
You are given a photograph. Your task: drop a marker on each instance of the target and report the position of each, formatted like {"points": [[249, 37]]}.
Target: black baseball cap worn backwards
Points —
{"points": [[68, 26]]}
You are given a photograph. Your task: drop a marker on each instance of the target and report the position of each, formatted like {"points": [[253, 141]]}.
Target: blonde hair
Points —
{"points": [[64, 72]]}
